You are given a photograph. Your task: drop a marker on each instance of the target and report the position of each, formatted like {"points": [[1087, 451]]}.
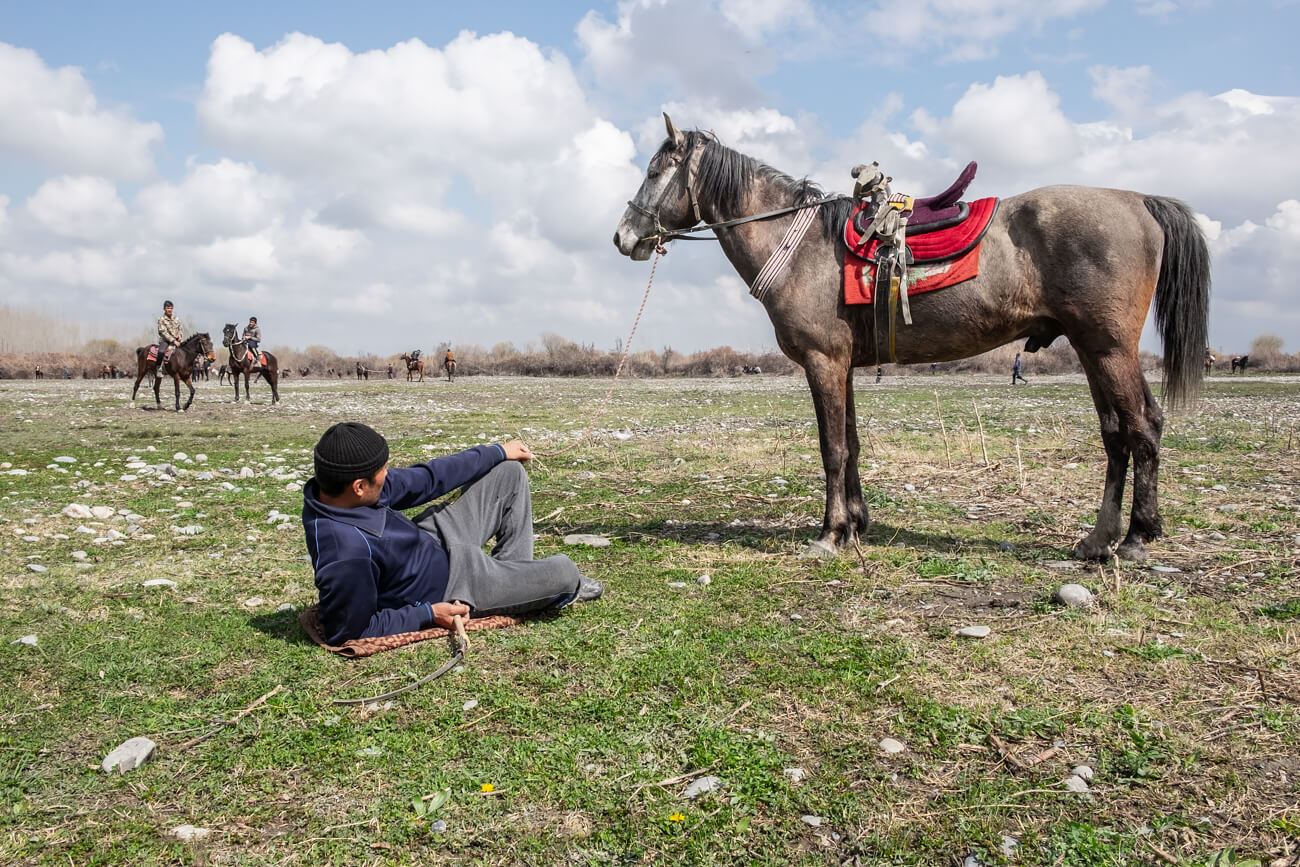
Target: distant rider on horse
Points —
{"points": [[449, 359], [169, 334], [253, 336]]}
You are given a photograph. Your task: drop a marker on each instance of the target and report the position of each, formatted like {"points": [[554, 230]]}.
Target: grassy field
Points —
{"points": [[572, 739]]}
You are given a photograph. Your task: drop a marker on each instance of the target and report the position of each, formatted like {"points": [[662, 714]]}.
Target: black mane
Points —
{"points": [[725, 177]]}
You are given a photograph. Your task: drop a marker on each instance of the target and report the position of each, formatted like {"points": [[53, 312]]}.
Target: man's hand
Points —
{"points": [[517, 450], [444, 611]]}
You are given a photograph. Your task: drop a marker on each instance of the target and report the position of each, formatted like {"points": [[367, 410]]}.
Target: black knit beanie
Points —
{"points": [[349, 450]]}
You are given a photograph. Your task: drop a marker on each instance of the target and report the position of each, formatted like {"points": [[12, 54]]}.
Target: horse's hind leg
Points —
{"points": [[1130, 426], [1144, 519]]}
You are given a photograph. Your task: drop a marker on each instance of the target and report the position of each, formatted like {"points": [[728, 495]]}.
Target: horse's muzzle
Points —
{"points": [[632, 246]]}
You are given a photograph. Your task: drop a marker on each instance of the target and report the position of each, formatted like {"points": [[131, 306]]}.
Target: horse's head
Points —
{"points": [[205, 346], [666, 200], [228, 335]]}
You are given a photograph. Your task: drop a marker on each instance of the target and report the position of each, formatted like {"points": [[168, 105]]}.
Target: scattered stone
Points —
{"points": [[159, 582], [103, 513], [1064, 565], [588, 539], [129, 756], [180, 456], [78, 511], [246, 472], [795, 775], [17, 472], [284, 606], [796, 617], [438, 827], [79, 555], [704, 579], [201, 458], [677, 584], [1076, 784], [1083, 772], [189, 530], [31, 538], [371, 751], [909, 487], [1074, 595], [1217, 536], [977, 631], [1009, 845], [812, 821], [1006, 547], [189, 833], [702, 786], [1166, 569], [972, 861], [127, 477], [254, 601], [65, 459], [469, 705], [891, 747], [36, 567], [29, 640], [114, 535]]}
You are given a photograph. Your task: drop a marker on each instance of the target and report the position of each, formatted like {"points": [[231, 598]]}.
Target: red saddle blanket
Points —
{"points": [[153, 353], [260, 360], [941, 259]]}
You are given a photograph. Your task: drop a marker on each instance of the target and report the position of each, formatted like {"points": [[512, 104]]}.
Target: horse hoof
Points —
{"points": [[1090, 549], [1134, 552], [818, 550]]}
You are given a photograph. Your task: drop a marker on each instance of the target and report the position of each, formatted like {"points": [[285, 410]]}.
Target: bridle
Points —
{"points": [[662, 235]]}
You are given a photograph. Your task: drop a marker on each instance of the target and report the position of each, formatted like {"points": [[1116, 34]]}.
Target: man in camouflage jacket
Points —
{"points": [[169, 332]]}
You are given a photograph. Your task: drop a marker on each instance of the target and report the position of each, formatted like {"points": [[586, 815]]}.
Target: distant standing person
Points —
{"points": [[1015, 372], [880, 372]]}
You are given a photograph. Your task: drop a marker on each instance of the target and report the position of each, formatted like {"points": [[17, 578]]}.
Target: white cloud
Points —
{"points": [[214, 200], [251, 258], [1125, 90], [372, 300], [757, 18], [966, 29], [51, 117], [82, 208]]}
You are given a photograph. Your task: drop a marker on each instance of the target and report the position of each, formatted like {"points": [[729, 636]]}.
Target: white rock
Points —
{"points": [[189, 530], [795, 775], [65, 459], [704, 579], [1083, 772], [103, 513], [702, 786], [1074, 595], [79, 555], [159, 582], [891, 747], [180, 456], [677, 584], [813, 821], [246, 472], [1166, 569], [114, 535], [588, 539], [31, 538], [1076, 784], [129, 756], [17, 472], [254, 601], [284, 606], [201, 458], [189, 833], [127, 477], [78, 511], [469, 705], [29, 640], [36, 567], [1066, 565], [977, 631]]}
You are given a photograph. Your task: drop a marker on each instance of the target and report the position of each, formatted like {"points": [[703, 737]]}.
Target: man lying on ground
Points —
{"points": [[380, 573]]}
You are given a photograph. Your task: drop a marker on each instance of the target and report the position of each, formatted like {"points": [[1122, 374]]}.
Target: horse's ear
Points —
{"points": [[679, 140]]}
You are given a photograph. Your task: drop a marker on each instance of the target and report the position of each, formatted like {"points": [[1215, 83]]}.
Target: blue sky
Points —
{"points": [[321, 182]]}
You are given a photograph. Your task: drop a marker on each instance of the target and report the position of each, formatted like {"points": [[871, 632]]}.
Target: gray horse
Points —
{"points": [[1076, 261]]}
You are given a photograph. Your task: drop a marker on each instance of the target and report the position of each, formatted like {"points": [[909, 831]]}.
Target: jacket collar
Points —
{"points": [[371, 519]]}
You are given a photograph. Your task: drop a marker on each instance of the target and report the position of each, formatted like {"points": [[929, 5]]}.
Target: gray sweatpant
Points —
{"points": [[509, 580]]}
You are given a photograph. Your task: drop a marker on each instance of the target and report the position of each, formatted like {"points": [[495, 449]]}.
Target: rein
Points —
{"points": [[663, 235], [462, 645]]}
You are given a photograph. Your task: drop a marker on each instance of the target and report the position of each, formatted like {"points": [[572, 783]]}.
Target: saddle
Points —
{"points": [[152, 355], [260, 360], [887, 234]]}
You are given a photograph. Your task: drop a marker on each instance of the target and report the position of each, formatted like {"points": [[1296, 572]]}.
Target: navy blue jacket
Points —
{"points": [[376, 571]]}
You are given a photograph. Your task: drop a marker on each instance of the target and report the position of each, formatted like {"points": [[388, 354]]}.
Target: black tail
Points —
{"points": [[1182, 298]]}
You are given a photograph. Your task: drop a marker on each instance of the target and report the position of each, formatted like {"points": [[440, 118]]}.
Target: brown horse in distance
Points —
{"points": [[1239, 363], [242, 361], [179, 365], [1064, 260], [414, 366]]}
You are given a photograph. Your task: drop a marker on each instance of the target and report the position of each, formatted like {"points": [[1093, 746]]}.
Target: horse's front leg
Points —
{"points": [[190, 386], [827, 381], [176, 381], [859, 516], [157, 384]]}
